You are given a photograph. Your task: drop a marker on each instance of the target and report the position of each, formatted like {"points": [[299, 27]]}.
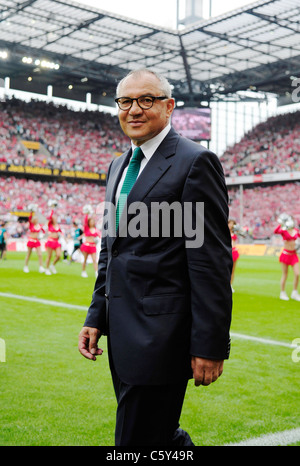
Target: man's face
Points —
{"points": [[141, 125]]}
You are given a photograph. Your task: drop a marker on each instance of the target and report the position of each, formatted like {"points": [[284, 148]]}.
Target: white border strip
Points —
{"points": [[263, 340], [83, 308], [43, 301], [287, 437]]}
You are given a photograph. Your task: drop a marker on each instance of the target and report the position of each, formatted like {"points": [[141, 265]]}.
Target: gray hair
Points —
{"points": [[165, 85]]}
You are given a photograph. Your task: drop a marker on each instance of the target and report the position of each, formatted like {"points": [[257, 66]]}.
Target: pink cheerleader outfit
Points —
{"points": [[53, 243], [235, 252], [34, 242], [288, 257], [88, 246]]}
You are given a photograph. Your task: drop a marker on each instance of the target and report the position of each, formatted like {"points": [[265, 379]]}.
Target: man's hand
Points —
{"points": [[87, 344], [206, 371]]}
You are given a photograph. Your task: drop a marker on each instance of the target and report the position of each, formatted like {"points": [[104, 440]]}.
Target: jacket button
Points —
{"points": [[115, 253]]}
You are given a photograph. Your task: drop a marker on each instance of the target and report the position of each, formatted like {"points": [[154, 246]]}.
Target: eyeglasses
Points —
{"points": [[144, 102]]}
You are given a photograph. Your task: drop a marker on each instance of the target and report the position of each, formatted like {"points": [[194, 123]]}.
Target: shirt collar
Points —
{"points": [[149, 147]]}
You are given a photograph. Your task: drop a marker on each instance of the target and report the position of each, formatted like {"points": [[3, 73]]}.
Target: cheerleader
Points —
{"points": [[89, 245], [235, 252], [52, 244], [288, 256], [33, 242]]}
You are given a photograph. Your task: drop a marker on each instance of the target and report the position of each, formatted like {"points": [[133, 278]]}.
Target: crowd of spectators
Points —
{"points": [[262, 206], [88, 140], [270, 147], [74, 140], [16, 195]]}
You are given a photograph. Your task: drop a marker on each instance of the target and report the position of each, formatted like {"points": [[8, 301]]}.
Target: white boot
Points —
{"points": [[26, 269], [295, 295], [41, 269], [53, 269], [47, 272], [284, 296], [84, 274]]}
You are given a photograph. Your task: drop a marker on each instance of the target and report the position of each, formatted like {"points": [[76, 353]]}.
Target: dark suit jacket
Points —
{"points": [[158, 301]]}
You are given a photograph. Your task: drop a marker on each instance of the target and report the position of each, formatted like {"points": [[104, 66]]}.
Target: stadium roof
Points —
{"points": [[255, 47]]}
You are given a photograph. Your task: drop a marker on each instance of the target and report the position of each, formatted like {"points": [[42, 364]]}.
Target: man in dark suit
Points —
{"points": [[163, 301]]}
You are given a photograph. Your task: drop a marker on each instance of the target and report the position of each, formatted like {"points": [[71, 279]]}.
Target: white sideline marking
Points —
{"points": [[83, 308], [287, 437], [43, 301], [263, 340]]}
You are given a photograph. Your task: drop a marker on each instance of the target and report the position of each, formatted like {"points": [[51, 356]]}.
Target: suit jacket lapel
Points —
{"points": [[158, 164], [115, 176], [151, 174], [116, 171]]}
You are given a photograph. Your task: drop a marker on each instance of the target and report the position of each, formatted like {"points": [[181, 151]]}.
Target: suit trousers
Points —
{"points": [[149, 415]]}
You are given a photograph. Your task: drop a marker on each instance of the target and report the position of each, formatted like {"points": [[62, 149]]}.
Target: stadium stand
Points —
{"points": [[67, 140], [262, 205], [16, 194], [270, 147]]}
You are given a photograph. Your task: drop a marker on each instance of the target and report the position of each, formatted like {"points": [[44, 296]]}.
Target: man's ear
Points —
{"points": [[170, 107]]}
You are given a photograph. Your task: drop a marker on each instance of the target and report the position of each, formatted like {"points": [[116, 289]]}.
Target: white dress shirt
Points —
{"points": [[148, 148]]}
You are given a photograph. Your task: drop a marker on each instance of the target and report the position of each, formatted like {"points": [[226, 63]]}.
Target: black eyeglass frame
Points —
{"points": [[162, 97]]}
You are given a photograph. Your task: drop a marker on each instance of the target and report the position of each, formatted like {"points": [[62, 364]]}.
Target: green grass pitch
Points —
{"points": [[52, 396]]}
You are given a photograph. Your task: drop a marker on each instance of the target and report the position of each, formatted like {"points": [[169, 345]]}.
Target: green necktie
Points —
{"points": [[130, 178]]}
